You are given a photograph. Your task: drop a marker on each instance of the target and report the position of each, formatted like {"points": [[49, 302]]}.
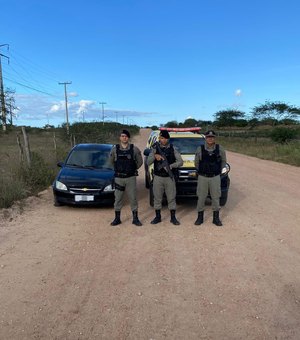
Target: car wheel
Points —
{"points": [[223, 198], [57, 203], [151, 196]]}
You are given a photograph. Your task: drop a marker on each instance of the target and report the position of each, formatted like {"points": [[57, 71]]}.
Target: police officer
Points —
{"points": [[164, 181], [126, 159], [210, 159]]}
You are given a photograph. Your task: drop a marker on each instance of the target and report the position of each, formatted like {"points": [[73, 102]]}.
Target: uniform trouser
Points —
{"points": [[210, 185], [129, 185], [161, 185]]}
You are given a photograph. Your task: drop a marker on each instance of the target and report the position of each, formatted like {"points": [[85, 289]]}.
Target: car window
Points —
{"points": [[187, 145], [154, 139], [89, 158]]}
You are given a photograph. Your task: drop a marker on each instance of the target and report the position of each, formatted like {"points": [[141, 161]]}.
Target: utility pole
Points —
{"points": [[102, 103], [3, 109], [66, 102]]}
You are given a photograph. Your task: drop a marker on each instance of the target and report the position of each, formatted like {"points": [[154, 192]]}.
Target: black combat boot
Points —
{"points": [[199, 219], [117, 219], [135, 219], [173, 218], [216, 219], [157, 218]]}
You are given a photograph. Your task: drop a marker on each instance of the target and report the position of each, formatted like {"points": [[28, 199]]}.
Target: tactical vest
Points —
{"points": [[125, 165], [170, 156], [211, 162]]}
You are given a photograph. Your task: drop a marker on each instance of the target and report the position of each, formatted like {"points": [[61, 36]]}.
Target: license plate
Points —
{"points": [[84, 198]]}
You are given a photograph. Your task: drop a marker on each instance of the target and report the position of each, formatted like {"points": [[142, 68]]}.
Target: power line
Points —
{"points": [[30, 87], [38, 68], [28, 75], [25, 79]]}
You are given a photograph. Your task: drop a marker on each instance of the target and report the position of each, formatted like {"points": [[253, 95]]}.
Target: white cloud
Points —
{"points": [[55, 108], [238, 92], [37, 110], [72, 94], [85, 105]]}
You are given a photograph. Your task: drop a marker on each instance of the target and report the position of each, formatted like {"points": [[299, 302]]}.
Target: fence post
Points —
{"points": [[20, 148], [26, 145]]}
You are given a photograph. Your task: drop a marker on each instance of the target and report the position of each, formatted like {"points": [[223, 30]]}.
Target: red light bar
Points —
{"points": [[191, 129]]}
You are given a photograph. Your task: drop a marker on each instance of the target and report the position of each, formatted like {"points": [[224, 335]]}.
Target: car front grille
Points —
{"points": [[83, 190], [187, 175]]}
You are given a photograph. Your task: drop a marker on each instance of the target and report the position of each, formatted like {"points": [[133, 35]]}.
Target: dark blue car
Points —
{"points": [[85, 177]]}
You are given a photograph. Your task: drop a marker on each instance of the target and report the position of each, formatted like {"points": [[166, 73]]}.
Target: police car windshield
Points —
{"points": [[187, 145]]}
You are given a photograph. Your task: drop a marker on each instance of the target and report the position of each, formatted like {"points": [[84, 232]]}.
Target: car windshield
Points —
{"points": [[187, 145], [89, 159]]}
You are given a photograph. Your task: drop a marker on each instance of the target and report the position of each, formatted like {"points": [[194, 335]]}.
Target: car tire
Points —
{"points": [[57, 203], [223, 198], [151, 195]]}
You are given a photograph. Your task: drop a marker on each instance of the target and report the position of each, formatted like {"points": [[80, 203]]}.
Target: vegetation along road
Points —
{"points": [[65, 273]]}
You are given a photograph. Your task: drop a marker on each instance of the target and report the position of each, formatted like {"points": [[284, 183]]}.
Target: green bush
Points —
{"points": [[98, 132], [282, 134], [12, 189], [38, 176]]}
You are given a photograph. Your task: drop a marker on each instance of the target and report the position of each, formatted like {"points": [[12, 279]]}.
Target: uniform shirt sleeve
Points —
{"points": [[223, 156], [137, 157], [179, 161], [112, 156], [198, 157], [151, 158]]}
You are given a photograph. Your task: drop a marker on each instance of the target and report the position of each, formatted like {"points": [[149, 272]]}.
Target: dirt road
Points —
{"points": [[65, 273]]}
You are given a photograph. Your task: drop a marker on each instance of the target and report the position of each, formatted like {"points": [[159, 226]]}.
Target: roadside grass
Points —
{"points": [[12, 190], [17, 180], [264, 148]]}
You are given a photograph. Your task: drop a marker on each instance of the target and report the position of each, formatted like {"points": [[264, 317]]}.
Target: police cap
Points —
{"points": [[164, 134], [125, 132], [210, 133]]}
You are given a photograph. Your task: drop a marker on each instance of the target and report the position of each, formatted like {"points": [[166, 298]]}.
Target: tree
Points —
{"points": [[228, 117], [275, 111], [171, 124], [190, 122], [11, 107]]}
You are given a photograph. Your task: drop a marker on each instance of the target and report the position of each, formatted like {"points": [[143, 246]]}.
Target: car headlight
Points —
{"points": [[108, 188], [226, 169], [60, 186]]}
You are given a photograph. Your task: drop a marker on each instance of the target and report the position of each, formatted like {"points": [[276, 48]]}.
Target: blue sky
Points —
{"points": [[150, 61]]}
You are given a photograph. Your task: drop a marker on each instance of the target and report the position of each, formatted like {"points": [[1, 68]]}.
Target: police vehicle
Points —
{"points": [[186, 140]]}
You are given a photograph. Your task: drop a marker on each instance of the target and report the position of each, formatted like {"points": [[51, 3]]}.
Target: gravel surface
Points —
{"points": [[65, 273]]}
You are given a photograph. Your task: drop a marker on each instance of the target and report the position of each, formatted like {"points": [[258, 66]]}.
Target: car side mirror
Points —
{"points": [[60, 164], [147, 152]]}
